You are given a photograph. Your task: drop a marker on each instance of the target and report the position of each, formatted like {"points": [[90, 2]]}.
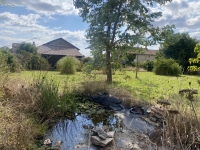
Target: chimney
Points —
{"points": [[33, 43]]}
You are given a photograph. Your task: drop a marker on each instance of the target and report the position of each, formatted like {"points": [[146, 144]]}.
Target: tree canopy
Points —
{"points": [[28, 47], [180, 47], [117, 25]]}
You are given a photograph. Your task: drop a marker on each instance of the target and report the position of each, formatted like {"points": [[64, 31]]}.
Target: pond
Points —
{"points": [[75, 134]]}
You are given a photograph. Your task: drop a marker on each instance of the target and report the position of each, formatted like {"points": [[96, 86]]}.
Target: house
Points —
{"points": [[56, 49], [14, 47], [144, 55]]}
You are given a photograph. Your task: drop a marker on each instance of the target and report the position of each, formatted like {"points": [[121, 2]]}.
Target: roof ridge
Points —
{"points": [[58, 45]]}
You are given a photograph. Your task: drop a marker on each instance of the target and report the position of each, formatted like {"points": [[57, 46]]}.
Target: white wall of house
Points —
{"points": [[143, 57]]}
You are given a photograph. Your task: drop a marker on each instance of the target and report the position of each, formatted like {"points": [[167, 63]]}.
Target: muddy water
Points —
{"points": [[75, 133]]}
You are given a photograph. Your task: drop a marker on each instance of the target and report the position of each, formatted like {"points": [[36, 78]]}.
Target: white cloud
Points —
{"points": [[27, 26], [48, 7], [3, 32]]}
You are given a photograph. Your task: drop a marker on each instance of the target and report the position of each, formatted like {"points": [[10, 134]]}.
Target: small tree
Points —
{"points": [[115, 24], [194, 62]]}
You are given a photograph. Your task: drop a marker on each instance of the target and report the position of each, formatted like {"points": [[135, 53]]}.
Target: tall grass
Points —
{"points": [[68, 65]]}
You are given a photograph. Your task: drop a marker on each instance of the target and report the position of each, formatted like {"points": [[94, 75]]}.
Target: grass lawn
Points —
{"points": [[147, 87]]}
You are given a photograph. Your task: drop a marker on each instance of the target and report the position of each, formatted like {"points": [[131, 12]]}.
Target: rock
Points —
{"points": [[154, 119], [101, 133], [58, 143], [105, 128], [98, 141], [138, 110], [135, 147], [110, 134], [47, 142]]}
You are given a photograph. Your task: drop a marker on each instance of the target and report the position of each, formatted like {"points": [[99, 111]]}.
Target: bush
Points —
{"points": [[148, 65], [32, 61], [68, 65], [167, 67], [9, 61]]}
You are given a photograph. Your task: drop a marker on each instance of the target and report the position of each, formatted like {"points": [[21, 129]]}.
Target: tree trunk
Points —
{"points": [[108, 66], [137, 67]]}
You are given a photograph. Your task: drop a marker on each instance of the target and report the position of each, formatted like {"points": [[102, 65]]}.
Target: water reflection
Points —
{"points": [[76, 132]]}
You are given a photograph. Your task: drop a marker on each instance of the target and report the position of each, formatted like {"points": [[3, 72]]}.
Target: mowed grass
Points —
{"points": [[148, 87], [151, 87]]}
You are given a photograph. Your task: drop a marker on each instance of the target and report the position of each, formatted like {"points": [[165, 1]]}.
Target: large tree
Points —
{"points": [[116, 25], [180, 47]]}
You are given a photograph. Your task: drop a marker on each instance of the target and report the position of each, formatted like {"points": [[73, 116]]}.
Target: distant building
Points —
{"points": [[144, 55], [14, 47], [56, 49]]}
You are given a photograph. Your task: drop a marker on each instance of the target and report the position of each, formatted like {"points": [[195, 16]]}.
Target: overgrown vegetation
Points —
{"points": [[48, 97], [164, 66], [180, 47], [30, 59], [148, 65], [9, 60]]}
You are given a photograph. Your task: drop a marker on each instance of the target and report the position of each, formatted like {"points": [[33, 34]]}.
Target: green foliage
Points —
{"points": [[86, 60], [148, 65], [28, 47], [130, 59], [29, 59], [5, 3], [110, 24], [164, 66], [10, 61], [194, 62], [68, 65], [32, 61], [179, 47]]}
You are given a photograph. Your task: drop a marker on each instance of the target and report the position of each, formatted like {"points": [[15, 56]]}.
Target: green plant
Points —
{"points": [[164, 66], [10, 61], [68, 65], [148, 65]]}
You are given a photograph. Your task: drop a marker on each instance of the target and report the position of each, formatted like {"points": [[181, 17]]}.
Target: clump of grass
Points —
{"points": [[68, 65], [93, 87]]}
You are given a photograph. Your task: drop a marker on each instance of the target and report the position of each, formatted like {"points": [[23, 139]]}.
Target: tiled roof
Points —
{"points": [[146, 52], [59, 47]]}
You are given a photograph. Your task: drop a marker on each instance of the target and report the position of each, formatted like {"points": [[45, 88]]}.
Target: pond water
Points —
{"points": [[75, 133]]}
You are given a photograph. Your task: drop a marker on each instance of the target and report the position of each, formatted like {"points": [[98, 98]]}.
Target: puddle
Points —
{"points": [[75, 133]]}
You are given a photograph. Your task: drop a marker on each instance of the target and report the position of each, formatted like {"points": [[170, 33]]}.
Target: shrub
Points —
{"points": [[9, 61], [148, 65], [167, 67], [32, 61], [68, 65]]}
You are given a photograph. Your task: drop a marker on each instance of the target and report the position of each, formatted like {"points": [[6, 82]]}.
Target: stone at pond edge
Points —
{"points": [[110, 134], [101, 133], [58, 143], [47, 142], [98, 141]]}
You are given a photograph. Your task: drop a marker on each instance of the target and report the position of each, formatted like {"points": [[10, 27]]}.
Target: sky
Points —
{"points": [[41, 21]]}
